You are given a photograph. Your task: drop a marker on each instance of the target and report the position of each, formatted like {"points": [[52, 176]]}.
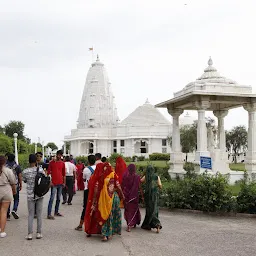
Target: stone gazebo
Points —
{"points": [[211, 92]]}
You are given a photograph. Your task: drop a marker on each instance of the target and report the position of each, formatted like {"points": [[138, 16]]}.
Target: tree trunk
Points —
{"points": [[186, 157]]}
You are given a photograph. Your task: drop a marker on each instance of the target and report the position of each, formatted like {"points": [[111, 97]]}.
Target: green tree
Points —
{"points": [[1, 130], [236, 139], [15, 127], [5, 144], [188, 139], [52, 145]]}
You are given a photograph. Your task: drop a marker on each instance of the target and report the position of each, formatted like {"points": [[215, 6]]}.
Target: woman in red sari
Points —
{"points": [[120, 170], [103, 214], [80, 183]]}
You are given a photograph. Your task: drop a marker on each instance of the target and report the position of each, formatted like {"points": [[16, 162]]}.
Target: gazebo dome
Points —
{"points": [[212, 76], [145, 115]]}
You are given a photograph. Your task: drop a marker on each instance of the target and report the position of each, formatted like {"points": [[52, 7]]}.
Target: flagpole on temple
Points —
{"points": [[91, 49]]}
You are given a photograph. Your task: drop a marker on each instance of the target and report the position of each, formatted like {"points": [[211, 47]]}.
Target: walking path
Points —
{"points": [[182, 235]]}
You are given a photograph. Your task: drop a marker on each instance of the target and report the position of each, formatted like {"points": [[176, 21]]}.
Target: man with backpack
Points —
{"points": [[87, 172], [29, 177], [11, 164]]}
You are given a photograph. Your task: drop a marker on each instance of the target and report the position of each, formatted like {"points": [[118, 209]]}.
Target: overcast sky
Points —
{"points": [[150, 49]]}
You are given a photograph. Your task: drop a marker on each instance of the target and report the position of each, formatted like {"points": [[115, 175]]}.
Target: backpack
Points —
{"points": [[42, 184]]}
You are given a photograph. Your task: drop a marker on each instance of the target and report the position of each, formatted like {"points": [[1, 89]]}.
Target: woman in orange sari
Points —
{"points": [[103, 214]]}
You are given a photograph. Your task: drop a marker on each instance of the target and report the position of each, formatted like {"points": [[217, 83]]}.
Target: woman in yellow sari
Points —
{"points": [[105, 211]]}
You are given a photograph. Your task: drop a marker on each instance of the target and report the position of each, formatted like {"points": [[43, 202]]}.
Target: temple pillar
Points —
{"points": [[176, 156], [65, 148], [94, 146], [250, 160]]}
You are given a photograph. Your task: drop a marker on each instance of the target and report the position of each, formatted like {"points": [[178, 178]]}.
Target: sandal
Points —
{"points": [[104, 239], [79, 228]]}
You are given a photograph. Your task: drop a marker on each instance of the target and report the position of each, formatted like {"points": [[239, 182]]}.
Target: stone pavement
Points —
{"points": [[182, 235]]}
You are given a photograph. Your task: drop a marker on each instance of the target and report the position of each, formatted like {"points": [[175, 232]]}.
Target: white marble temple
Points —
{"points": [[143, 132]]}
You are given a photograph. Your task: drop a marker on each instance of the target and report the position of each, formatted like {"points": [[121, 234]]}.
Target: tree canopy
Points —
{"points": [[188, 139], [15, 127], [236, 139], [52, 145]]}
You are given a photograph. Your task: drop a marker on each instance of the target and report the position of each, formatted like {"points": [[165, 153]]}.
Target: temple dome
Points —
{"points": [[145, 115]]}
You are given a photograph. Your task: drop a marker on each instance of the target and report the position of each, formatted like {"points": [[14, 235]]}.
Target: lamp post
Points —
{"points": [[43, 149], [15, 135]]}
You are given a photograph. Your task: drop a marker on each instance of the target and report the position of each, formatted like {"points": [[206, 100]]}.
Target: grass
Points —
{"points": [[237, 167], [154, 163], [234, 167]]}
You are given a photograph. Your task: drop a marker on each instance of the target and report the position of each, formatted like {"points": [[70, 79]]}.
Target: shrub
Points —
{"points": [[127, 159], [141, 158], [203, 192], [113, 157], [159, 156], [83, 159], [23, 161], [246, 199], [190, 170], [5, 144]]}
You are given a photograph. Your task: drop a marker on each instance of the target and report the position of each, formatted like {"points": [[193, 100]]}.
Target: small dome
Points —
{"points": [[97, 62], [145, 115]]}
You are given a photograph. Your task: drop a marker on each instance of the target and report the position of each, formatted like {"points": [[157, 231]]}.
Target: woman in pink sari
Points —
{"points": [[130, 187]]}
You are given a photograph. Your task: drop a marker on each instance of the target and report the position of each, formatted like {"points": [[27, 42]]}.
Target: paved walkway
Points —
{"points": [[182, 235]]}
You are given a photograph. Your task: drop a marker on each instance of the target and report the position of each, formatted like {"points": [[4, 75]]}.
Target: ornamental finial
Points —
{"points": [[210, 61]]}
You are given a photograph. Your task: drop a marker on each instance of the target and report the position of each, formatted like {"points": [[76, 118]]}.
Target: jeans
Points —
{"points": [[86, 193], [69, 189], [55, 189], [31, 211], [16, 200]]}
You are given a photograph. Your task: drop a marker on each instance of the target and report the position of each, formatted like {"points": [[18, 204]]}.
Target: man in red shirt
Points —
{"points": [[58, 174]]}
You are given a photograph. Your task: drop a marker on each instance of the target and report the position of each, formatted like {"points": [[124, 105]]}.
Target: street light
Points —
{"points": [[15, 135]]}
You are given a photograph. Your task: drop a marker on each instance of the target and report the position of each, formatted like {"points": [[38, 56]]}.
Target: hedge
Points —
{"points": [[159, 156]]}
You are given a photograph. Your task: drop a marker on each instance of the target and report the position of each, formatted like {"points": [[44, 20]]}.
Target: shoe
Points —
{"points": [[35, 216], [3, 234], [39, 236], [69, 203], [50, 217], [63, 202], [58, 214], [15, 215], [8, 218], [29, 237]]}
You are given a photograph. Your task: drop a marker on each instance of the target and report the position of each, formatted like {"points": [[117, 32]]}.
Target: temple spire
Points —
{"points": [[98, 59]]}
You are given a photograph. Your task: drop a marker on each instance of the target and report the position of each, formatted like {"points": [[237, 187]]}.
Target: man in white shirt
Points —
{"points": [[87, 172], [70, 179]]}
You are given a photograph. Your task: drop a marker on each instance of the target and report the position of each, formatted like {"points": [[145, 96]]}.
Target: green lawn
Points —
{"points": [[154, 163], [237, 167], [234, 167]]}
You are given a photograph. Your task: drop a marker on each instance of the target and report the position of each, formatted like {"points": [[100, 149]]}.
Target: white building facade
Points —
{"points": [[143, 132]]}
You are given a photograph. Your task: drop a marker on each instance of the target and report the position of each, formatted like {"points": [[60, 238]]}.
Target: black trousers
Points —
{"points": [[68, 189], [86, 193]]}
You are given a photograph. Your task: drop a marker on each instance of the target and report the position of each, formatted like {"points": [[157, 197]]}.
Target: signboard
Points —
{"points": [[206, 162]]}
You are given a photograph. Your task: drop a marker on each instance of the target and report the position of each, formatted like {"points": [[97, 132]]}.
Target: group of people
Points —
{"points": [[106, 188], [109, 188]]}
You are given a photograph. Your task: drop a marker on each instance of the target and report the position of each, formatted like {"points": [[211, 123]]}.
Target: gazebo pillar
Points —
{"points": [[176, 156], [201, 130], [221, 114], [250, 160], [219, 155]]}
